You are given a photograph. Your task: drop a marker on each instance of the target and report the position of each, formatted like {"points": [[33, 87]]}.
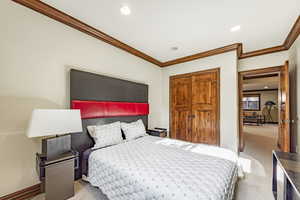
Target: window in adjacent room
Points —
{"points": [[251, 102]]}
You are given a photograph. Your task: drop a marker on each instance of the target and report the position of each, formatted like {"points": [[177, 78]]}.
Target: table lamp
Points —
{"points": [[59, 122]]}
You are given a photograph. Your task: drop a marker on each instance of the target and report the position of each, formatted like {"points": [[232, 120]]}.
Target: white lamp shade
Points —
{"points": [[45, 122]]}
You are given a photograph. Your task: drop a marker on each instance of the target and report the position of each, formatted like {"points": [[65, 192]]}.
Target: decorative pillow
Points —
{"points": [[106, 135], [133, 130]]}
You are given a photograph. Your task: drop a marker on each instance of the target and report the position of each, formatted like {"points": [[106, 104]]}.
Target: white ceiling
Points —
{"points": [[260, 83], [155, 26]]}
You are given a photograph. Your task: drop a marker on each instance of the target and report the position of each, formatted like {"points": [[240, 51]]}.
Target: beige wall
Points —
{"points": [[264, 61], [36, 54], [227, 62], [264, 97]]}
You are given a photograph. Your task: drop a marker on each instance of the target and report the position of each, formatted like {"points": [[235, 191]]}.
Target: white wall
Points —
{"points": [[227, 62], [294, 65], [36, 54], [294, 54], [264, 61]]}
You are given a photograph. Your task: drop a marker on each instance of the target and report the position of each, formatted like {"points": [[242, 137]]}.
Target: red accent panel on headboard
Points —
{"points": [[102, 109]]}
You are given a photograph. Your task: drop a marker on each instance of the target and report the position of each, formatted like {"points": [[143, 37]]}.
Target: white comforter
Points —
{"points": [[161, 169]]}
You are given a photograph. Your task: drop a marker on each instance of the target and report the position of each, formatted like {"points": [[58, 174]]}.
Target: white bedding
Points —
{"points": [[157, 168]]}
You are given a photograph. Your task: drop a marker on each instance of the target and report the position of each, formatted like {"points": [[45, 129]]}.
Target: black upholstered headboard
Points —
{"points": [[85, 86]]}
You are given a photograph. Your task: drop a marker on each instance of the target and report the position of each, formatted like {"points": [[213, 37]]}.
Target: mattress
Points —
{"points": [[160, 168]]}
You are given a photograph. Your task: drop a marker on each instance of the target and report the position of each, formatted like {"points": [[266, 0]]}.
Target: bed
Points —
{"points": [[148, 167], [159, 168]]}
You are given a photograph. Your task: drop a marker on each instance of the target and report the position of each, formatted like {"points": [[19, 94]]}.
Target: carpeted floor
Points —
{"points": [[257, 159], [257, 164]]}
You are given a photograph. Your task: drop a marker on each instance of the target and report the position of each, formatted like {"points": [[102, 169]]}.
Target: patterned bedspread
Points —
{"points": [[161, 169]]}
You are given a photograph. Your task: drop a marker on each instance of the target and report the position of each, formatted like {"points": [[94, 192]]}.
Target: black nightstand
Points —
{"points": [[158, 132], [57, 175]]}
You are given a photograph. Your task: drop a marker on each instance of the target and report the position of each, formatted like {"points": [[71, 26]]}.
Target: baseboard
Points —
{"points": [[24, 194]]}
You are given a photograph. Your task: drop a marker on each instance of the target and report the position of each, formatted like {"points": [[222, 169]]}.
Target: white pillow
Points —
{"points": [[106, 135], [133, 130]]}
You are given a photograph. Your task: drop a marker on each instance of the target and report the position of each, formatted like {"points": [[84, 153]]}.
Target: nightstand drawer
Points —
{"points": [[59, 180], [57, 175]]}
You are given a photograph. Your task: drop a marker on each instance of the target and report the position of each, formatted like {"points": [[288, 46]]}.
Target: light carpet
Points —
{"points": [[257, 163]]}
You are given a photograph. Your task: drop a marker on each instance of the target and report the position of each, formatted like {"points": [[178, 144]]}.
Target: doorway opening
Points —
{"points": [[264, 107], [264, 124], [260, 109]]}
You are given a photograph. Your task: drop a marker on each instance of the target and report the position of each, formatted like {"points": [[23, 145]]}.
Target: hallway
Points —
{"points": [[257, 163]]}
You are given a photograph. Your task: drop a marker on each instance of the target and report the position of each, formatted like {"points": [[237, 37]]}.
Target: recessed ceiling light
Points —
{"points": [[235, 28], [266, 87], [125, 10], [174, 48]]}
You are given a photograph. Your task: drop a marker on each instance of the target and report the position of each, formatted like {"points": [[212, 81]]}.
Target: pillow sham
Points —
{"points": [[133, 130], [106, 135]]}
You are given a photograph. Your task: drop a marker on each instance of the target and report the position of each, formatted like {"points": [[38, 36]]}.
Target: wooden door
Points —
{"points": [[181, 108], [205, 108], [195, 107], [284, 109]]}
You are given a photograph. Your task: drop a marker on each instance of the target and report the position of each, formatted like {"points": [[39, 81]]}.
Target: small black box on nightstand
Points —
{"points": [[159, 132]]}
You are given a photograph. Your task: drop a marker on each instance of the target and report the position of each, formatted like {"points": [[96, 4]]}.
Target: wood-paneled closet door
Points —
{"points": [[181, 108], [205, 108], [195, 107]]}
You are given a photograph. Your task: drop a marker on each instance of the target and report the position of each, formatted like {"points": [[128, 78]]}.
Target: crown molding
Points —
{"points": [[66, 19], [203, 54], [290, 39], [293, 34], [262, 51]]}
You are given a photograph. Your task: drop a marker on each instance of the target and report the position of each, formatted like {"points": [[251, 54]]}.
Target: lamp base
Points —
{"points": [[55, 146]]}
